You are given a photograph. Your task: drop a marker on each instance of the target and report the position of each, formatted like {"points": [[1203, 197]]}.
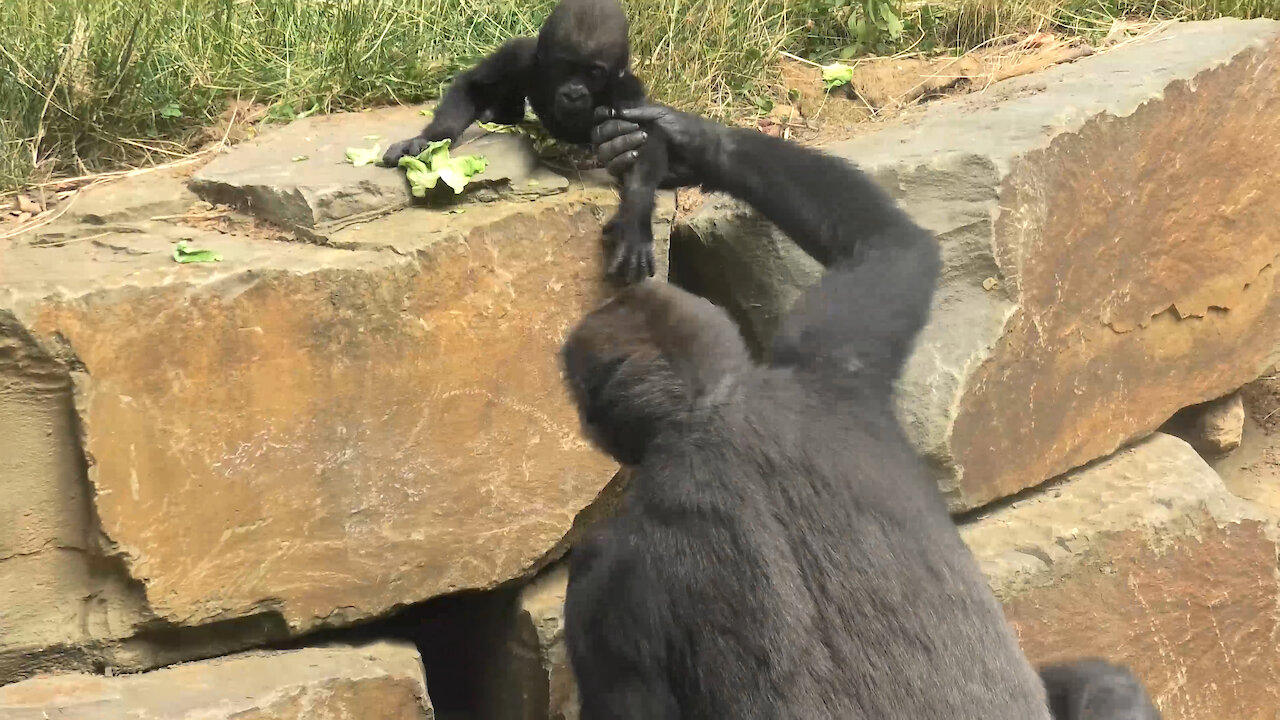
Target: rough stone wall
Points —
{"points": [[311, 432], [1109, 250], [352, 428]]}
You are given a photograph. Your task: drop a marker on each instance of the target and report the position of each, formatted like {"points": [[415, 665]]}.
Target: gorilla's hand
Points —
{"points": [[692, 142], [413, 146]]}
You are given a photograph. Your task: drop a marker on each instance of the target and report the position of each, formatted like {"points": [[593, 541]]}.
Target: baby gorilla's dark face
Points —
{"points": [[578, 85], [582, 53]]}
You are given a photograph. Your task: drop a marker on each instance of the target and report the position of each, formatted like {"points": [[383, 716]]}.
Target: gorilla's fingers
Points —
{"points": [[615, 263], [619, 147], [643, 114], [393, 154], [609, 130], [603, 112], [619, 166]]}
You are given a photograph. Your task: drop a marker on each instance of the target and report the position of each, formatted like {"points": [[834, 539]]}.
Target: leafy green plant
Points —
{"points": [[851, 27]]}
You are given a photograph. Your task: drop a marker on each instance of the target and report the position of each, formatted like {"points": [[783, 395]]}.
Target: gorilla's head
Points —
{"points": [[582, 50], [649, 356]]}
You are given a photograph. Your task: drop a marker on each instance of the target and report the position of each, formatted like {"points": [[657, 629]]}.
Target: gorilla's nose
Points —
{"points": [[576, 94]]}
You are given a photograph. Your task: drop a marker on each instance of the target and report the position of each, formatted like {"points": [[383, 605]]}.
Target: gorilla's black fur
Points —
{"points": [[1094, 689], [781, 552], [580, 60]]}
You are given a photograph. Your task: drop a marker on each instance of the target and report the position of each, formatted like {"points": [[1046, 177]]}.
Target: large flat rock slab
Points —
{"points": [[1110, 245], [382, 681], [297, 176], [1145, 558], [297, 436]]}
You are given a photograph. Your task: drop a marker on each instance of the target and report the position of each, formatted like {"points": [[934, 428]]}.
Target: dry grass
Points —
{"points": [[90, 86]]}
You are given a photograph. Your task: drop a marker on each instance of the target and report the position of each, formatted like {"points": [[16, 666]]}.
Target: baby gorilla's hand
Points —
{"points": [[411, 147]]}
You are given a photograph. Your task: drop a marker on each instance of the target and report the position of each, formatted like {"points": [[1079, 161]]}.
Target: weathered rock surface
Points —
{"points": [[1213, 428], [1110, 247], [537, 682], [298, 176], [1252, 471], [1147, 559], [204, 457], [377, 682]]}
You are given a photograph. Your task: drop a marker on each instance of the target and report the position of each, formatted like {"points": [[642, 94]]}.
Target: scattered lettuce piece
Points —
{"points": [[435, 164], [183, 254], [836, 74], [362, 156], [499, 128]]}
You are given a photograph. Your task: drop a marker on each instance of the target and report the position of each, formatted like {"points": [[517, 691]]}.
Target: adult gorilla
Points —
{"points": [[781, 551]]}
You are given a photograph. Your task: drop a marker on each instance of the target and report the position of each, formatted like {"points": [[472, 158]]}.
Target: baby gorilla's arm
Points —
{"points": [[492, 91]]}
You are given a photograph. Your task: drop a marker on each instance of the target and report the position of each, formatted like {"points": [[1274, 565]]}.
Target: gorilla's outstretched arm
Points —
{"points": [[879, 262], [492, 91], [856, 327]]}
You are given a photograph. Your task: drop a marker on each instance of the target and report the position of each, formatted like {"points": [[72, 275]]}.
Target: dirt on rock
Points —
{"points": [[883, 87]]}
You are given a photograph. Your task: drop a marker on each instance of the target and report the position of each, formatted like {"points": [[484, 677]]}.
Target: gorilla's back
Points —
{"points": [[823, 573]]}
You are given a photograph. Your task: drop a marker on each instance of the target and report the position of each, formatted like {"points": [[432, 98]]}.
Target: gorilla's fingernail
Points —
{"points": [[644, 136]]}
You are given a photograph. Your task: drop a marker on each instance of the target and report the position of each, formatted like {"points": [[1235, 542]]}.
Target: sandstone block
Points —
{"points": [[297, 436], [1109, 242], [297, 176], [1252, 471], [537, 682], [1214, 428], [1145, 558], [378, 682]]}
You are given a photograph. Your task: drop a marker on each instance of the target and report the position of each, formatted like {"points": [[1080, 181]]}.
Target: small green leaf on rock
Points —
{"points": [[990, 284], [427, 113], [836, 74], [183, 254], [300, 158], [362, 156], [498, 128]]}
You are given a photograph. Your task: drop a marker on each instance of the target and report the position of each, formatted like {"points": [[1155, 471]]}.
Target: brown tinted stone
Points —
{"points": [[1145, 558], [299, 433], [537, 682], [297, 176], [1109, 246], [378, 682]]}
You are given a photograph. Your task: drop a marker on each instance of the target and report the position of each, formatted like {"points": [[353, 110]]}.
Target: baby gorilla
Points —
{"points": [[579, 61], [781, 552]]}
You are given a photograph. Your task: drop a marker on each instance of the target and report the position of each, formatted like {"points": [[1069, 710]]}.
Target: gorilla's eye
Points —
{"points": [[597, 73]]}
